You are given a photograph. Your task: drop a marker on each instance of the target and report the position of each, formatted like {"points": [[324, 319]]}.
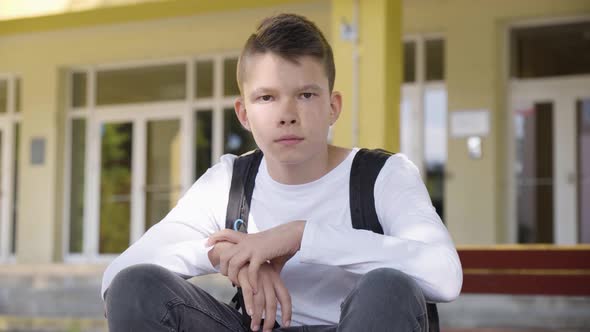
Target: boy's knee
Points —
{"points": [[393, 283], [137, 276], [135, 283]]}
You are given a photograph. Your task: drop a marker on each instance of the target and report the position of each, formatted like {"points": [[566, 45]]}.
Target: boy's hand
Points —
{"points": [[272, 290], [265, 300], [277, 245]]}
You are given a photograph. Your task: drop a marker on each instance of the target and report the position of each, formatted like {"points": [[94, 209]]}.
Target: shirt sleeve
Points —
{"points": [[415, 242], [178, 242]]}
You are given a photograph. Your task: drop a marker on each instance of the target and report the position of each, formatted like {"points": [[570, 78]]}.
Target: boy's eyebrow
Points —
{"points": [[313, 87], [308, 87], [261, 90]]}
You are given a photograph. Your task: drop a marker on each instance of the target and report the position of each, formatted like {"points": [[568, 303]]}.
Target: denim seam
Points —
{"points": [[174, 303], [348, 297], [417, 326]]}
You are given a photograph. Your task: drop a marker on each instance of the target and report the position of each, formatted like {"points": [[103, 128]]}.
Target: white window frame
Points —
{"points": [[8, 121], [138, 114]]}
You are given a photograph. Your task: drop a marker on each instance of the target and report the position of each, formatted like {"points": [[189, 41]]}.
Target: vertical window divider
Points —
{"points": [[218, 129], [138, 178], [187, 125], [67, 181], [91, 188]]}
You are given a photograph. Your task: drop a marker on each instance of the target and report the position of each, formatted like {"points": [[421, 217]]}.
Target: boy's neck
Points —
{"points": [[309, 170]]}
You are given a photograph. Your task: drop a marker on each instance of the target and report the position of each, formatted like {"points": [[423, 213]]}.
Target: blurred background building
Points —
{"points": [[110, 110]]}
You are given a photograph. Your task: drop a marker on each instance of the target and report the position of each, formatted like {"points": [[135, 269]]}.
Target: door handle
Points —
{"points": [[572, 178]]}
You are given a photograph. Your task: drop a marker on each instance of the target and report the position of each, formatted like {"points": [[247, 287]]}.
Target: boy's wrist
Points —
{"points": [[215, 252]]}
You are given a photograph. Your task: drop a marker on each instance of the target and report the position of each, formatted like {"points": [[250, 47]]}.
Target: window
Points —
{"points": [[77, 184], [409, 62], [424, 112], [9, 156], [548, 51], [141, 84], [534, 170], [131, 152]]}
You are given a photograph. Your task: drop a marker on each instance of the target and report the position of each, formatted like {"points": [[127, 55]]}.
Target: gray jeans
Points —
{"points": [[150, 298]]}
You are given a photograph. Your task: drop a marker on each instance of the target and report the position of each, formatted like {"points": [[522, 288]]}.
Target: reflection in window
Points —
{"points": [[584, 169], [204, 79], [435, 61], [237, 140], [162, 177], [203, 141], [534, 173], [77, 183], [3, 96], [17, 95], [140, 85], [15, 183], [553, 50], [409, 62], [230, 85], [435, 144], [78, 89], [406, 127], [115, 187]]}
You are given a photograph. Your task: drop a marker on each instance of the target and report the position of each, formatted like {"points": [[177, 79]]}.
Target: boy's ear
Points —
{"points": [[240, 108], [335, 106]]}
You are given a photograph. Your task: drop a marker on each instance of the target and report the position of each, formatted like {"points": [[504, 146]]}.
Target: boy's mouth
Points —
{"points": [[289, 139]]}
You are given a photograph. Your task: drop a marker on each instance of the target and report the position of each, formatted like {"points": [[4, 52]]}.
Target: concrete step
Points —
{"points": [[67, 297], [51, 324]]}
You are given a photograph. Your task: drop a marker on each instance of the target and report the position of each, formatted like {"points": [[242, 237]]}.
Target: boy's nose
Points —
{"points": [[288, 114], [284, 122]]}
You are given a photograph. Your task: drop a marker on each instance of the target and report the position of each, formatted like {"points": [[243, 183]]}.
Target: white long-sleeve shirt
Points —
{"points": [[333, 255]]}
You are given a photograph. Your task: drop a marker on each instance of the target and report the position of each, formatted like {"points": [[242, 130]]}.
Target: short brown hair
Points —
{"points": [[289, 36]]}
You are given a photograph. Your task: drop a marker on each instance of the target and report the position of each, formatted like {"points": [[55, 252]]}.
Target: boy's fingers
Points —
{"points": [[271, 304], [225, 235], [282, 294], [235, 264], [248, 297], [253, 268], [225, 258], [257, 310]]}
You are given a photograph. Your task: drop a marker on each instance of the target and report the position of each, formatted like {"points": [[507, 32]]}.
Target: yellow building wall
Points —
{"points": [[476, 75], [41, 57], [378, 54]]}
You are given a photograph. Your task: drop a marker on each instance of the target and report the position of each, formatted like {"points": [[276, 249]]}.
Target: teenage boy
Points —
{"points": [[302, 264]]}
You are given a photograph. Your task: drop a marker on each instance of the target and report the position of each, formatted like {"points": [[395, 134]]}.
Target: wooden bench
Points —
{"points": [[526, 269]]}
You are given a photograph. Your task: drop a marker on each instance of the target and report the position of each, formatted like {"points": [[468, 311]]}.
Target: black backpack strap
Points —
{"points": [[238, 208], [364, 171], [366, 166], [242, 186]]}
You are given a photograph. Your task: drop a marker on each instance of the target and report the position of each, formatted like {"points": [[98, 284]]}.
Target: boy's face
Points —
{"points": [[287, 106]]}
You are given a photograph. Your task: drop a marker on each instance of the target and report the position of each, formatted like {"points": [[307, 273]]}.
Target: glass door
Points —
{"points": [[583, 166], [137, 179], [550, 161], [4, 190], [162, 174], [115, 186]]}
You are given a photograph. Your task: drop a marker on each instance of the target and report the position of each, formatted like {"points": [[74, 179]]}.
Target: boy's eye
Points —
{"points": [[307, 95], [266, 97]]}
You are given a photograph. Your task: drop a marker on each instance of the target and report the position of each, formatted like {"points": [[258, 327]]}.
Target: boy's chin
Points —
{"points": [[287, 156]]}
